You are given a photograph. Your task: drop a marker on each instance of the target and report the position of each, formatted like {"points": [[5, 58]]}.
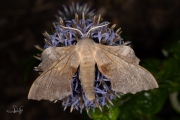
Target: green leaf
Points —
{"points": [[110, 113], [143, 104]]}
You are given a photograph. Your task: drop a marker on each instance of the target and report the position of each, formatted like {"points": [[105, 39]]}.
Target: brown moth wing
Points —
{"points": [[49, 55], [55, 82], [123, 50], [125, 74]]}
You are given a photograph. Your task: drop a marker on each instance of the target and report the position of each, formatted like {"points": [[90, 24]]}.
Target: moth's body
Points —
{"points": [[86, 48], [117, 63]]}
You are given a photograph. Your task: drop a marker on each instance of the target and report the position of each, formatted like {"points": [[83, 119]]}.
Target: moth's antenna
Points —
{"points": [[72, 29], [96, 28]]}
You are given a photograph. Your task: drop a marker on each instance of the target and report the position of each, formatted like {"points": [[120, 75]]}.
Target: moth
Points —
{"points": [[117, 63]]}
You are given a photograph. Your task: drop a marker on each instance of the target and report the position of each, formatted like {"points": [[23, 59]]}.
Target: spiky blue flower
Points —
{"points": [[84, 20]]}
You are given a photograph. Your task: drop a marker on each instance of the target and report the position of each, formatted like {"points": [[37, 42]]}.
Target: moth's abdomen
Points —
{"points": [[87, 76]]}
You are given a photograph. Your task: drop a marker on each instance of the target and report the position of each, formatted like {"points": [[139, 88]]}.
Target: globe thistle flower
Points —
{"points": [[81, 18]]}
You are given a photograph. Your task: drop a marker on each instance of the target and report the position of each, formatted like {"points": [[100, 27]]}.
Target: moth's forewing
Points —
{"points": [[122, 69], [55, 82]]}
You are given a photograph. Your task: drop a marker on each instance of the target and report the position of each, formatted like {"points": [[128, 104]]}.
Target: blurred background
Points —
{"points": [[152, 26]]}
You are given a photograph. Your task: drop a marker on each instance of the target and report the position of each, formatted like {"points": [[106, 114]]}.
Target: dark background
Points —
{"points": [[148, 24]]}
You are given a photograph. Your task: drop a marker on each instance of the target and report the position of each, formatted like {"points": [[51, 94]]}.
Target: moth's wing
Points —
{"points": [[124, 50], [125, 74], [55, 82], [51, 54]]}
